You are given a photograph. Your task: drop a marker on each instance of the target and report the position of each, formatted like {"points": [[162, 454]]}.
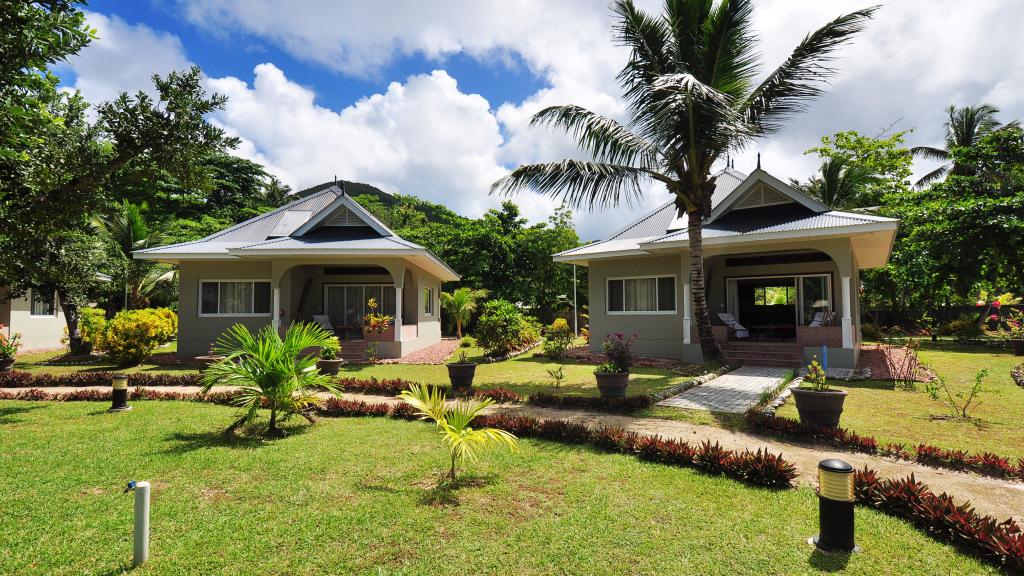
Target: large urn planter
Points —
{"points": [[6, 363], [461, 375], [329, 366], [819, 408], [612, 384], [1018, 347]]}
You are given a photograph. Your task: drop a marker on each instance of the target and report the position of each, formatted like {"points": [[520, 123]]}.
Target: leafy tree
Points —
{"points": [[869, 168], [840, 184], [691, 99], [461, 303], [454, 424], [272, 372], [964, 127]]}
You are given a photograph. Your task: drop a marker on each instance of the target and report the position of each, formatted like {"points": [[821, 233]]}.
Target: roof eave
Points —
{"points": [[891, 225]]}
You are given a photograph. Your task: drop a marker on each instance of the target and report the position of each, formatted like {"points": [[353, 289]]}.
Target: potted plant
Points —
{"points": [[8, 348], [613, 375], [993, 321], [461, 373], [329, 363], [816, 403]]}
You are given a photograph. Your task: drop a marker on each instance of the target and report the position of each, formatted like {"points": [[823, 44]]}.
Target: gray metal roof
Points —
{"points": [[775, 219], [262, 226], [303, 244]]}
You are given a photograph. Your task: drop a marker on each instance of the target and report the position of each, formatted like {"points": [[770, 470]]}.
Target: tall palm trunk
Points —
{"points": [[695, 230], [458, 327]]}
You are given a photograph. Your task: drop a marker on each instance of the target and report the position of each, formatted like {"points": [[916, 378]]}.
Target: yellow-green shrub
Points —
{"points": [[132, 335]]}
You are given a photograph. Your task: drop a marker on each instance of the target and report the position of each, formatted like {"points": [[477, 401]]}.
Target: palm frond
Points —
{"points": [[726, 53], [603, 138], [427, 400], [803, 75], [579, 183], [930, 153], [933, 176]]}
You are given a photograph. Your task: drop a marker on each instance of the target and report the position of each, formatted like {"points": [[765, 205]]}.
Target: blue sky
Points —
{"points": [[434, 98]]}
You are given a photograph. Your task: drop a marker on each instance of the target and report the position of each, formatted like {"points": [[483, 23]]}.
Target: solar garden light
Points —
{"points": [[835, 507], [120, 395], [141, 534]]}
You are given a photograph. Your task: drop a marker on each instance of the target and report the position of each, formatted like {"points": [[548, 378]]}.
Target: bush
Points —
{"points": [[19, 379], [132, 335], [503, 329], [467, 342], [559, 339], [965, 326], [619, 351], [870, 331]]}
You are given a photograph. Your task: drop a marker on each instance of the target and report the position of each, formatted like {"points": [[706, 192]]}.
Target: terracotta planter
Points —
{"points": [[1018, 347], [819, 408], [330, 367], [6, 363], [461, 375], [613, 384]]}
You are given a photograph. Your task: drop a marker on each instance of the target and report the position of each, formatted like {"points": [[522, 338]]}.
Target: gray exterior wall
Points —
{"points": [[658, 334], [37, 332], [196, 333]]}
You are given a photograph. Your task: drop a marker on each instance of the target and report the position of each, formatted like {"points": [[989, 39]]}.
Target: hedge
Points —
{"points": [[20, 379]]}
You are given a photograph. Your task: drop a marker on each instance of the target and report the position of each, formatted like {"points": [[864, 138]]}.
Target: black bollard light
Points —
{"points": [[120, 393], [835, 507]]}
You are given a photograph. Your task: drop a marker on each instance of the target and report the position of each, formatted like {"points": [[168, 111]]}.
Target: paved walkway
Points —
{"points": [[734, 392], [997, 498]]}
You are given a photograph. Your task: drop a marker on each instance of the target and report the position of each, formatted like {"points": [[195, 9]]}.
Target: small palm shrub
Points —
{"points": [[272, 372], [132, 335], [559, 339], [502, 328], [453, 422], [467, 342]]}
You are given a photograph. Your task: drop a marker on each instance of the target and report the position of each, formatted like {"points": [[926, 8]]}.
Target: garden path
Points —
{"points": [[734, 392], [994, 497]]}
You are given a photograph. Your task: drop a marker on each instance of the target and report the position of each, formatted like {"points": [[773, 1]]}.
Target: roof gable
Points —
{"points": [[761, 189], [344, 212]]}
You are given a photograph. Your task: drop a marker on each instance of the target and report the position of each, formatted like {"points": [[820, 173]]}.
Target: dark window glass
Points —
{"points": [[42, 306], [209, 298], [666, 294], [261, 298], [615, 295]]}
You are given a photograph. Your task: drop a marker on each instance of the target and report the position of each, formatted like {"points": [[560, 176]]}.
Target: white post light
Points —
{"points": [[141, 533]]}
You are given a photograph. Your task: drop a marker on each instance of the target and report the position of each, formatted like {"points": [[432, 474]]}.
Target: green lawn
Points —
{"points": [[876, 408], [356, 496]]}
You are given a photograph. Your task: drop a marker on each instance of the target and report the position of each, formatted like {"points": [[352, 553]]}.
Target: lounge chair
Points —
{"points": [[818, 319], [324, 321], [738, 330]]}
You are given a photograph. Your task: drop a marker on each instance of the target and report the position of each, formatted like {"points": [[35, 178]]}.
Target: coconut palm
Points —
{"points": [[273, 373], [691, 98], [840, 185], [461, 304], [126, 230], [453, 421], [964, 127]]}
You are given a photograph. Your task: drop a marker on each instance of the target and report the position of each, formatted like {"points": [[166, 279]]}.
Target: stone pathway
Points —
{"points": [[734, 392], [997, 498]]}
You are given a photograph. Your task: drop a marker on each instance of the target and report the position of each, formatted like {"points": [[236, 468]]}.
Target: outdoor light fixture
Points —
{"points": [[835, 507], [120, 393]]}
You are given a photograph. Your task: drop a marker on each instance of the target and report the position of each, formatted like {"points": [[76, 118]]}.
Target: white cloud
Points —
{"points": [[424, 136]]}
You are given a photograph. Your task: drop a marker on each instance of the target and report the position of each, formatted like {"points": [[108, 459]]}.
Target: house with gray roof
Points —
{"points": [[782, 276], [321, 257]]}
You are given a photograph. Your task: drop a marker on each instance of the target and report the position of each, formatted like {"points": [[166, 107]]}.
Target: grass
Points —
{"points": [[874, 407], [360, 496]]}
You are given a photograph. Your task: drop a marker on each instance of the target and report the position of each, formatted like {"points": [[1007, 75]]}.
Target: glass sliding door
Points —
{"points": [[815, 297], [347, 304]]}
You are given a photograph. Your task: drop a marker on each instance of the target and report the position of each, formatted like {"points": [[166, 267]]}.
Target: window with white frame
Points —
{"points": [[428, 301], [642, 295], [234, 298], [41, 305]]}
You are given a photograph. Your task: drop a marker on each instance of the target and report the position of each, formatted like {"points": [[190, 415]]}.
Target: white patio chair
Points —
{"points": [[324, 321], [731, 322], [818, 320]]}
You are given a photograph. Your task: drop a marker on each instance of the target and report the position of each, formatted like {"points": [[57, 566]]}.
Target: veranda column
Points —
{"points": [[398, 313], [847, 318], [686, 313], [276, 309]]}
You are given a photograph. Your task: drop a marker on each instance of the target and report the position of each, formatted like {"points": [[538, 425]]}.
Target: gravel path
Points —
{"points": [[997, 498], [433, 354]]}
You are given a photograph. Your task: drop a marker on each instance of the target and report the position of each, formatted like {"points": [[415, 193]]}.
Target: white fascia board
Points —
{"points": [[785, 235]]}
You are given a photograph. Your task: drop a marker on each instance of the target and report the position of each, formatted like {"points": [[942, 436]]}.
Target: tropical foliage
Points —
{"points": [[133, 335], [557, 339], [965, 127], [453, 421], [692, 98], [9, 345], [273, 373], [502, 328], [461, 303]]}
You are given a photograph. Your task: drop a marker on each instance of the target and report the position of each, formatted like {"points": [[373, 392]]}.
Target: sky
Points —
{"points": [[434, 98]]}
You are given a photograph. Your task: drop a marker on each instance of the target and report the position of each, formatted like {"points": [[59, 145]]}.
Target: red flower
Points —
{"points": [[996, 304]]}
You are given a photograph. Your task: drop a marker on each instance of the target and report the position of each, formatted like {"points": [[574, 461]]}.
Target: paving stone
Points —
{"points": [[734, 392]]}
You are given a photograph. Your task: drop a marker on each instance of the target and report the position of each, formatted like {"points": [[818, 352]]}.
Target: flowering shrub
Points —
{"points": [[9, 345], [559, 339], [619, 351], [816, 377], [502, 328], [132, 335]]}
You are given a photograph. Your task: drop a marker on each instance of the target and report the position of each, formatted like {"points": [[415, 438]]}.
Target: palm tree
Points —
{"points": [[272, 372], [453, 421], [461, 304], [964, 128], [691, 98], [126, 230], [840, 185]]}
